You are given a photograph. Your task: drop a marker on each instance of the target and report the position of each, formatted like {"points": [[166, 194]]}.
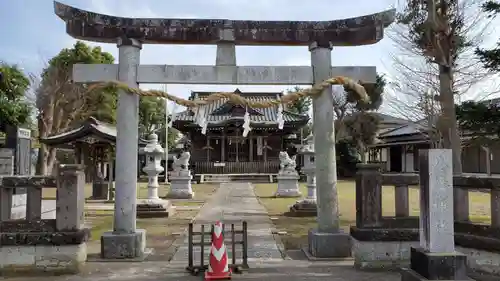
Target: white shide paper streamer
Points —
{"points": [[201, 120], [281, 121], [246, 124]]}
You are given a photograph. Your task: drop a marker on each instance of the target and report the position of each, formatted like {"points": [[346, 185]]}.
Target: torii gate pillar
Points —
{"points": [[326, 241], [131, 241]]}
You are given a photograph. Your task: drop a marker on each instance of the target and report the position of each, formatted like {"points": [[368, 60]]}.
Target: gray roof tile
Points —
{"points": [[267, 115]]}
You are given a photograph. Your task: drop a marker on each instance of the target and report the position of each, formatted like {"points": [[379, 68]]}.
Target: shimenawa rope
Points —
{"points": [[312, 92]]}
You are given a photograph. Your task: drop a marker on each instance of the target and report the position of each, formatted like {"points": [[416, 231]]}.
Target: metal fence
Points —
{"points": [[197, 239]]}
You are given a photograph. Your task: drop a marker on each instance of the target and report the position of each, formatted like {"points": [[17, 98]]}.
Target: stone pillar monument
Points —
{"points": [[307, 207], [153, 206], [125, 241], [327, 241], [436, 258], [180, 179], [288, 178]]}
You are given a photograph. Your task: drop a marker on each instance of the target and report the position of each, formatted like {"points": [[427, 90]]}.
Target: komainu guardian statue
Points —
{"points": [[181, 164], [287, 164]]}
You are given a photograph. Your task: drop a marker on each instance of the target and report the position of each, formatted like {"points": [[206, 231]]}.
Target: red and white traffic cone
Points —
{"points": [[218, 266]]}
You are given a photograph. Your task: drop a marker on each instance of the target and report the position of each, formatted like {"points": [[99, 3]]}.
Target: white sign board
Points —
{"points": [[23, 133]]}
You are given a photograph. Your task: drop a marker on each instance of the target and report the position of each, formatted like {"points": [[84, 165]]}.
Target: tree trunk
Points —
{"points": [[451, 140], [41, 167], [41, 164], [449, 126], [51, 160], [46, 155], [45, 161]]}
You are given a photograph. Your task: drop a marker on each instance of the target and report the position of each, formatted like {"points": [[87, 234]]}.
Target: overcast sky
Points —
{"points": [[31, 33]]}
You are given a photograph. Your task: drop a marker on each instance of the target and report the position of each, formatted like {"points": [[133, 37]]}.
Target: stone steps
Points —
{"points": [[225, 178], [214, 178]]}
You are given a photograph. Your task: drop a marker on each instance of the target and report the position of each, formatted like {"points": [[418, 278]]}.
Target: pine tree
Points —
{"points": [[491, 58]]}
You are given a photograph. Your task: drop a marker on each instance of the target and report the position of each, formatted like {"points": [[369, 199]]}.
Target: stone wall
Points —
{"points": [[35, 244], [383, 242]]}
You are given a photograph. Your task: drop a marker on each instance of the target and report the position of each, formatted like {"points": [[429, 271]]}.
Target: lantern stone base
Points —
{"points": [[100, 190], [304, 208], [180, 187], [154, 208], [288, 185]]}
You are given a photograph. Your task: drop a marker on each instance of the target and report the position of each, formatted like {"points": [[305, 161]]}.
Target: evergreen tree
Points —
{"points": [[491, 58], [15, 110]]}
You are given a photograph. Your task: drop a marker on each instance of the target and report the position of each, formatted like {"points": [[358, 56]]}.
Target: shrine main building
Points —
{"points": [[224, 150]]}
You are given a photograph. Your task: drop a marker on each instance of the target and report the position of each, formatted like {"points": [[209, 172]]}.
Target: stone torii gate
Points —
{"points": [[125, 241]]}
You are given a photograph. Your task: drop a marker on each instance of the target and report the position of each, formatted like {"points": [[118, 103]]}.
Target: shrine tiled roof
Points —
{"points": [[90, 131], [220, 111]]}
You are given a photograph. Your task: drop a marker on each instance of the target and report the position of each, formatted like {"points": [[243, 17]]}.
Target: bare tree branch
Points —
{"points": [[414, 75]]}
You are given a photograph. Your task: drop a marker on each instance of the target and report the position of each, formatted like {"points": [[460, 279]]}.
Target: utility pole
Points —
{"points": [[166, 136]]}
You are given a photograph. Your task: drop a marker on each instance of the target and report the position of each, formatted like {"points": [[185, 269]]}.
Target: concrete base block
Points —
{"points": [[481, 261], [154, 208], [329, 245], [42, 259], [288, 186], [123, 245], [438, 266], [288, 193], [381, 254], [304, 208], [180, 194], [180, 188], [410, 275]]}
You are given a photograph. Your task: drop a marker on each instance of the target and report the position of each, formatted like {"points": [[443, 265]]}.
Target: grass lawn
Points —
{"points": [[297, 227], [161, 232], [201, 193], [142, 191]]}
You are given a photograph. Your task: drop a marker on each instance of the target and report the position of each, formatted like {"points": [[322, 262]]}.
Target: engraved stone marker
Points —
{"points": [[436, 258], [436, 201]]}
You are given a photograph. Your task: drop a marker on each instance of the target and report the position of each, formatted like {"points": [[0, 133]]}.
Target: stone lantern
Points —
{"points": [[307, 206], [153, 206], [309, 167]]}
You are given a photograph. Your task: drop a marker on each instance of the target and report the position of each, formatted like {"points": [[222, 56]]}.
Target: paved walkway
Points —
{"points": [[234, 203]]}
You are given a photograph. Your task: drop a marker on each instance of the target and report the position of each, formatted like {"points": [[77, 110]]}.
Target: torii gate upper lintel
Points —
{"points": [[86, 25], [96, 27]]}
